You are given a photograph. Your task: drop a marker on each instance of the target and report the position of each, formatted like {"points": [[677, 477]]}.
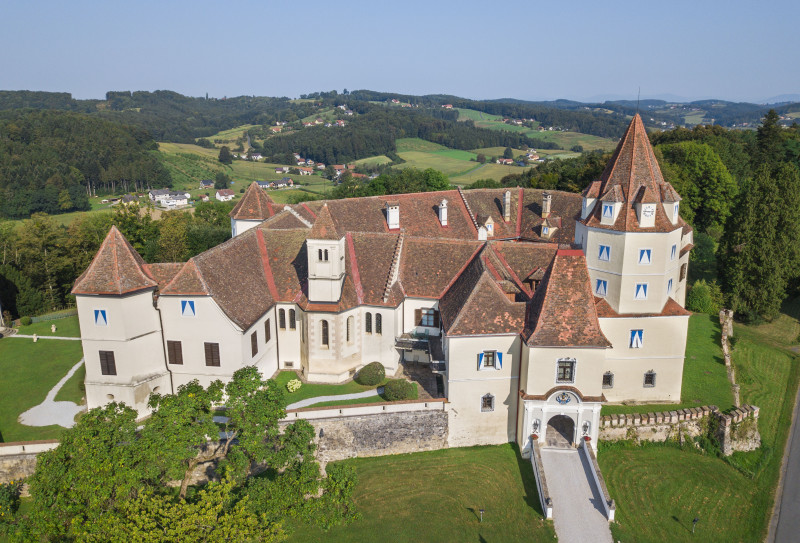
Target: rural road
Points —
{"points": [[785, 524]]}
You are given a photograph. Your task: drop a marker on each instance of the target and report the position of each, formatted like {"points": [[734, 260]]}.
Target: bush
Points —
{"points": [[371, 374], [9, 500], [704, 297], [293, 385], [25, 321], [399, 389]]}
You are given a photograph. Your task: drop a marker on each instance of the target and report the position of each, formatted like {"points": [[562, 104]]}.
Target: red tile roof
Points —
{"points": [[116, 269], [187, 281], [323, 226], [562, 312], [671, 309], [254, 205]]}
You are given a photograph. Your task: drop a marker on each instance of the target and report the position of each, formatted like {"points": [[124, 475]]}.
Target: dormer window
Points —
{"points": [[608, 211], [490, 228], [645, 256], [545, 231]]}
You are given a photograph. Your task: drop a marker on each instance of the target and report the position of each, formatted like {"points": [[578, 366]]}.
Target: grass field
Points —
{"points": [[30, 370], [660, 489], [436, 497], [380, 159], [705, 381], [66, 327], [232, 134], [310, 390]]}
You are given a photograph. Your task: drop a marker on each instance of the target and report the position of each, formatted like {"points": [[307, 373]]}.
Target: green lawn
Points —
{"points": [[436, 497], [405, 145], [30, 370], [705, 381], [310, 390], [660, 489], [373, 160], [66, 327]]}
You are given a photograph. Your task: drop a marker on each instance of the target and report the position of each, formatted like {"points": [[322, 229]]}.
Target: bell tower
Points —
{"points": [[326, 263]]}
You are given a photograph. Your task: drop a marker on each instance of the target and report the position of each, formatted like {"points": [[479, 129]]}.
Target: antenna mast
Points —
{"points": [[638, 96]]}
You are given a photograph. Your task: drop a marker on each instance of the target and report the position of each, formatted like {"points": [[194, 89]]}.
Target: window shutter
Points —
{"points": [[418, 317], [499, 356], [175, 352], [436, 319], [254, 344], [480, 360], [267, 331]]}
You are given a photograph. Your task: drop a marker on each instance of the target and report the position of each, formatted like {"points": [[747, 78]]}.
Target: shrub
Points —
{"points": [[371, 374], [25, 321], [9, 500], [398, 389], [293, 385], [704, 297]]}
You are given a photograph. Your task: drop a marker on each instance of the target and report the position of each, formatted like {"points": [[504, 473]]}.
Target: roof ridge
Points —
{"points": [[262, 247], [351, 249], [469, 210], [394, 270]]}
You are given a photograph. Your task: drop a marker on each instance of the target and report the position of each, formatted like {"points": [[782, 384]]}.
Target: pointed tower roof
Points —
{"points": [[632, 176], [323, 226], [116, 269], [255, 205]]}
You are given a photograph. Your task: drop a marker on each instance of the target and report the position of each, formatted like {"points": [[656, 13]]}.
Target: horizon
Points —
{"points": [[416, 49]]}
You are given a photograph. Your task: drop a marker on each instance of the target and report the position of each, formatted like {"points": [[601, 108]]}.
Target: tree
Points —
{"points": [[172, 239], [225, 155], [576, 148], [769, 141], [508, 153], [759, 251], [222, 181], [481, 158]]}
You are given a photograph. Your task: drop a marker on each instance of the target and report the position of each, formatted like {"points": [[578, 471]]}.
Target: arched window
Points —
{"points": [[292, 324], [282, 319], [368, 323], [378, 323], [487, 403], [319, 254], [350, 321], [325, 334], [326, 255]]}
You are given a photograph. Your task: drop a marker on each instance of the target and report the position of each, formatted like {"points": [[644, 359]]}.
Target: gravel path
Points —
{"points": [[320, 399], [47, 337], [52, 412]]}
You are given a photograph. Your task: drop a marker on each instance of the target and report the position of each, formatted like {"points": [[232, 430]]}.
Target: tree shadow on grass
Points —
{"points": [[528, 481], [676, 519]]}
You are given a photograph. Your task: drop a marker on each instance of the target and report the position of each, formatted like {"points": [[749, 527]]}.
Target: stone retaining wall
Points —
{"points": [[736, 431]]}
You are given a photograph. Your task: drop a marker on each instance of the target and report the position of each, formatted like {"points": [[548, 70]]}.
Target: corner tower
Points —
{"points": [[326, 263], [254, 208], [636, 244]]}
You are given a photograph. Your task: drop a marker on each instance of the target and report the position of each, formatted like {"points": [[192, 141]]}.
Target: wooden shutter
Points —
{"points": [[254, 344], [212, 354], [267, 331], [436, 319], [107, 364], [418, 316], [175, 352]]}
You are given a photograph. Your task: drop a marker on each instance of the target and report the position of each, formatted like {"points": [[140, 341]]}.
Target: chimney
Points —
{"points": [[507, 206], [393, 215], [443, 212], [546, 199]]}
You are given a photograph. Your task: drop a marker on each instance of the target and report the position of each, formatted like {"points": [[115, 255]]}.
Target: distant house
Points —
{"points": [[175, 200], [285, 182], [276, 129], [306, 171], [506, 161], [395, 101], [359, 176], [340, 123], [206, 184], [301, 161], [447, 106], [308, 124], [338, 169], [348, 112], [225, 195], [264, 184], [320, 166], [158, 194], [282, 169], [203, 198], [129, 199]]}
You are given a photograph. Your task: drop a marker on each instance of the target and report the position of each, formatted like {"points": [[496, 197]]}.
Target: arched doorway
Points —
{"points": [[560, 432]]}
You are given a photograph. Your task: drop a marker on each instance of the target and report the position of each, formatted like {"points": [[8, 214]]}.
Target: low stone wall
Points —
{"points": [[609, 505], [541, 482], [736, 431], [18, 460]]}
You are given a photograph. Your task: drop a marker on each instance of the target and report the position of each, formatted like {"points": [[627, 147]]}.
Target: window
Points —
{"points": [[212, 354], [378, 323], [608, 380], [673, 253], [637, 337], [605, 253], [254, 344], [683, 272], [427, 317], [267, 331], [650, 379], [487, 403], [323, 255], [187, 308], [669, 286], [675, 212], [282, 319], [292, 320], [107, 364], [100, 317], [545, 230], [368, 323], [608, 211], [641, 291], [490, 360], [174, 352], [645, 256], [566, 370], [350, 321], [324, 326], [601, 288]]}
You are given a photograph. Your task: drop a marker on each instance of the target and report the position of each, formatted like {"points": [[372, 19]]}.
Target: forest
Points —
{"points": [[52, 161]]}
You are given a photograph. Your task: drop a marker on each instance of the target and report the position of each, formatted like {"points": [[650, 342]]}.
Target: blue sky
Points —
{"points": [[526, 50]]}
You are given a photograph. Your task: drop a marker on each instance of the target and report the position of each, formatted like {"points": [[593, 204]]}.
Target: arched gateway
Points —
{"points": [[560, 432]]}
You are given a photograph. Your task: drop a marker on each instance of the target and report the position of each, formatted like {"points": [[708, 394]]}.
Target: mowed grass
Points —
{"points": [[405, 145], [30, 370], [437, 496], [567, 140], [448, 165], [489, 152], [232, 134], [373, 160], [66, 327], [660, 489], [486, 171], [311, 390], [705, 381]]}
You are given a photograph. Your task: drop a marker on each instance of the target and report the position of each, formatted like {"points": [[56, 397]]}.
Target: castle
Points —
{"points": [[535, 307]]}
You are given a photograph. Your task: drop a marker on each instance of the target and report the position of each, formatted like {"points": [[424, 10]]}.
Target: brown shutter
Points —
{"points": [[436, 319], [212, 354], [267, 331], [254, 344], [418, 317], [175, 352], [107, 364]]}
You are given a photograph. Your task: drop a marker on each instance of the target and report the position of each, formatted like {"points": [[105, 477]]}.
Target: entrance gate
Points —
{"points": [[560, 432]]}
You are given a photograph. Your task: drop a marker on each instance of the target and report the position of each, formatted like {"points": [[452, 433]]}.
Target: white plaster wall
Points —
{"points": [[543, 367], [380, 347], [325, 278], [289, 341], [410, 305], [466, 385], [128, 316], [239, 226]]}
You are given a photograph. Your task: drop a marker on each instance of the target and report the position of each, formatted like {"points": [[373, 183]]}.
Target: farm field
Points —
{"points": [[231, 135], [436, 496], [659, 489], [373, 160]]}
